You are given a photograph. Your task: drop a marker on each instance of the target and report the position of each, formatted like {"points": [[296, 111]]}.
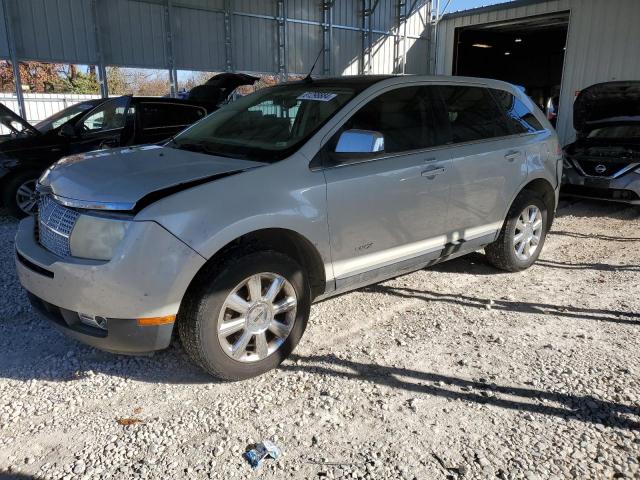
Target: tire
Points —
{"points": [[10, 191], [206, 307], [502, 253]]}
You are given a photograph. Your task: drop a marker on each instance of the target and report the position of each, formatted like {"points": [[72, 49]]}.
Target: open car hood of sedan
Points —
{"points": [[607, 103], [128, 179], [15, 123]]}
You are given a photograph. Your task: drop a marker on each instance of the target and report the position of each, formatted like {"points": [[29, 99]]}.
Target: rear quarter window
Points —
{"points": [[521, 119], [161, 115], [473, 114]]}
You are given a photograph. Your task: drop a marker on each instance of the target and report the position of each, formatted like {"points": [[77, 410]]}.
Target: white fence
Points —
{"points": [[42, 105]]}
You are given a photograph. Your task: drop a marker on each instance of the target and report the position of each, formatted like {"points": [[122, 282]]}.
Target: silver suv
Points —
{"points": [[227, 233]]}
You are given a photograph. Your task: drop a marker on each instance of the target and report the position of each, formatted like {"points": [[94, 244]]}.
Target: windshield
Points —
{"points": [[618, 131], [267, 125], [63, 116]]}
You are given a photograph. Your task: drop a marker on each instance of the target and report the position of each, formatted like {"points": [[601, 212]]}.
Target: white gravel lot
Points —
{"points": [[458, 371]]}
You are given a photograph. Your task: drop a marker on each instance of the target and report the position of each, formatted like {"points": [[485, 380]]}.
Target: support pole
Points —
{"points": [[398, 54], [228, 46], [173, 74], [13, 55], [282, 39], [365, 53], [327, 35], [102, 70]]}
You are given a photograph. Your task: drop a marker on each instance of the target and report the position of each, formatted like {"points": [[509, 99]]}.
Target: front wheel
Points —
{"points": [[522, 236], [246, 316], [19, 194]]}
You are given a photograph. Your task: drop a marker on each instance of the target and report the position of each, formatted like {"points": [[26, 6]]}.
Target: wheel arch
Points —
{"points": [[282, 240], [543, 188]]}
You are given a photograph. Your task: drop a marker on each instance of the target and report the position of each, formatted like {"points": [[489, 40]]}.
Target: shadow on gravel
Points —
{"points": [[583, 408], [603, 267], [476, 264], [608, 238], [471, 264], [593, 208], [14, 476], [50, 356], [579, 313]]}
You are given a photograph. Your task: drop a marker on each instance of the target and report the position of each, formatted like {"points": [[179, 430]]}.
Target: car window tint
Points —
{"points": [[473, 114], [519, 116], [402, 116], [161, 115], [110, 115]]}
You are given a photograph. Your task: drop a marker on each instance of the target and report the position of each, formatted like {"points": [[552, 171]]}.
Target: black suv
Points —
{"points": [[28, 150]]}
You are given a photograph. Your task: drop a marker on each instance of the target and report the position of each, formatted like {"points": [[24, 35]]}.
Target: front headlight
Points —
{"points": [[96, 238]]}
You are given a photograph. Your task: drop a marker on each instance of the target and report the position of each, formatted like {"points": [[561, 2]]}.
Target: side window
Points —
{"points": [[521, 119], [110, 115], [402, 116], [473, 114], [162, 115]]}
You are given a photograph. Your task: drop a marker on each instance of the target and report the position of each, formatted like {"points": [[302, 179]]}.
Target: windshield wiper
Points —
{"points": [[203, 146], [192, 146]]}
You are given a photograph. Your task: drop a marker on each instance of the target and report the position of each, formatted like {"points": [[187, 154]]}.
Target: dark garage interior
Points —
{"points": [[527, 52]]}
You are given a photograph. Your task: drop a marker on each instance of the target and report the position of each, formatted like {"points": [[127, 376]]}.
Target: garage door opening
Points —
{"points": [[527, 52]]}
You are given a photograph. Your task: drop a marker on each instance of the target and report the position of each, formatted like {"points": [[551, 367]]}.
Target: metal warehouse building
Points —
{"points": [[544, 46]]}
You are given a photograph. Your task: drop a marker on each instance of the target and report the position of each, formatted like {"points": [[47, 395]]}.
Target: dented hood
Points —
{"points": [[118, 179], [606, 104]]}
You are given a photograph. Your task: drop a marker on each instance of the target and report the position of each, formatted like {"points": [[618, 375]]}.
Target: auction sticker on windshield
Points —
{"points": [[318, 96]]}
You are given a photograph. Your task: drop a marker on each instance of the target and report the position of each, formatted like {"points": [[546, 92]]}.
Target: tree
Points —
{"points": [[43, 77], [136, 81]]}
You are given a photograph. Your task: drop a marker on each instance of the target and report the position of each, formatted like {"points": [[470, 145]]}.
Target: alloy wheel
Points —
{"points": [[27, 196], [257, 317], [528, 233]]}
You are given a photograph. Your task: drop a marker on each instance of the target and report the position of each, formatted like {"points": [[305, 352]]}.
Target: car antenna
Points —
{"points": [[308, 78]]}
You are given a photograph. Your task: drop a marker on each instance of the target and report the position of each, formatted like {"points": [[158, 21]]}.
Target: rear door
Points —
{"points": [[158, 121], [488, 161], [388, 209]]}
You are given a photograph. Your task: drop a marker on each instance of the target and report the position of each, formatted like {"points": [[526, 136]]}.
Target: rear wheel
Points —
{"points": [[245, 317], [522, 235], [19, 194]]}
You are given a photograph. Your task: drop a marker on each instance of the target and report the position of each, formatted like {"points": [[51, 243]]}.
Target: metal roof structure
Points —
{"points": [[267, 36]]}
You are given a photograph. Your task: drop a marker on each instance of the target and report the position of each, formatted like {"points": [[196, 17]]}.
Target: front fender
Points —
{"points": [[284, 195]]}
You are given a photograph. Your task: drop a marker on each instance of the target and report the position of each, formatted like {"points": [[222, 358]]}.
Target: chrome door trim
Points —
{"points": [[362, 263]]}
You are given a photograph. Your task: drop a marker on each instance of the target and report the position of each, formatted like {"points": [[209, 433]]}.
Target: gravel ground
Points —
{"points": [[458, 371]]}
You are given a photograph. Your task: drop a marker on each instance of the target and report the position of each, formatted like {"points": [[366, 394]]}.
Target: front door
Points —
{"points": [[103, 127], [387, 210]]}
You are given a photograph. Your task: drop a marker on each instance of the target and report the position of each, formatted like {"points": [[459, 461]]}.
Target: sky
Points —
{"points": [[455, 5]]}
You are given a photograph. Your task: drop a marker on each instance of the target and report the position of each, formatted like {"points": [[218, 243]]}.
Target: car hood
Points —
{"points": [[606, 104], [15, 123], [121, 179]]}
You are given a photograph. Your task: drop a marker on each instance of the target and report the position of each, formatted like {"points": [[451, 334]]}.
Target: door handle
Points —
{"points": [[511, 155], [433, 172]]}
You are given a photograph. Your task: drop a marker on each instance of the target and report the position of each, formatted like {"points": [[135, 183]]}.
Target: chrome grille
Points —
{"points": [[55, 223]]}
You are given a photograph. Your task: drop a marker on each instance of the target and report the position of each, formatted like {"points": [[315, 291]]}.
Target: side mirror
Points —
{"points": [[360, 141], [67, 130]]}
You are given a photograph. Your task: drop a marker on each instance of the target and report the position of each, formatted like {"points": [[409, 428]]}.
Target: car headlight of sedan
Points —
{"points": [[97, 238]]}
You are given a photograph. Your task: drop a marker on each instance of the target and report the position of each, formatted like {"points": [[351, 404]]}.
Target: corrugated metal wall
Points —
{"points": [[603, 44], [191, 34]]}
